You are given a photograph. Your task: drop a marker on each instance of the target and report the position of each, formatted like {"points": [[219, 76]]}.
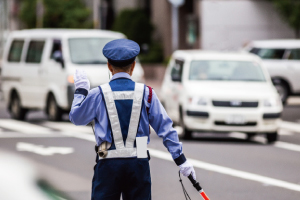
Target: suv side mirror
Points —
{"points": [[176, 78], [57, 56]]}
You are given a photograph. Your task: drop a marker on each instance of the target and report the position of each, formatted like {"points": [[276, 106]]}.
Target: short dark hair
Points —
{"points": [[123, 68]]}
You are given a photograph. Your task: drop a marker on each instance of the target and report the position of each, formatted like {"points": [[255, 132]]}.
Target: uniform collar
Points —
{"points": [[121, 75]]}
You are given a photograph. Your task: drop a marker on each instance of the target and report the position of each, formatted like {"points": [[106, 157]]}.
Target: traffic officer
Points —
{"points": [[122, 111]]}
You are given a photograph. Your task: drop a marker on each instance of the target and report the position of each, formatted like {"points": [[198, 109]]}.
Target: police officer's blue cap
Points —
{"points": [[121, 52]]}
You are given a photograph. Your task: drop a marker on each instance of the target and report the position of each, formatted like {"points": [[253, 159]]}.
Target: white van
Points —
{"points": [[282, 59], [38, 67]]}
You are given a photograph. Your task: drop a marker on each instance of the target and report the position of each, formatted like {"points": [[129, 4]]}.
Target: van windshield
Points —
{"points": [[226, 71], [88, 50]]}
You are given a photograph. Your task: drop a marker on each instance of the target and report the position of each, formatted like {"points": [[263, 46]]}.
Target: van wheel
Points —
{"points": [[272, 137], [186, 133], [53, 110], [283, 91], [16, 110]]}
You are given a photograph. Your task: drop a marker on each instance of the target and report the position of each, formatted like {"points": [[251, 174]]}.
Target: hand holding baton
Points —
{"points": [[198, 187]]}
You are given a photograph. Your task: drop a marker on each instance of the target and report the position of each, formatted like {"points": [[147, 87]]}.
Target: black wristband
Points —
{"points": [[81, 91], [180, 160]]}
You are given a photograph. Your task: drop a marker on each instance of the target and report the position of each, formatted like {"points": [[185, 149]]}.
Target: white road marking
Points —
{"points": [[290, 126], [260, 139], [68, 127], [41, 150], [230, 171], [288, 146], [23, 127], [284, 132], [21, 135], [215, 168]]}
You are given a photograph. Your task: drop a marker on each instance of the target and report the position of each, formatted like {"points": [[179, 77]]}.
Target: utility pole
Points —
{"points": [[175, 22], [96, 14], [39, 13]]}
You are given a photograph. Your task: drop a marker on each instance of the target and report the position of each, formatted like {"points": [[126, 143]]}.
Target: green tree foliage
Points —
{"points": [[290, 11], [57, 14], [135, 24]]}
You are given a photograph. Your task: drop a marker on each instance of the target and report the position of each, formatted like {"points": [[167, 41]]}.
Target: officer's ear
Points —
{"points": [[132, 68], [110, 67]]}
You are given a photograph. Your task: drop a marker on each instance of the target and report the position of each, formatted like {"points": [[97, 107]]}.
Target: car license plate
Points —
{"points": [[235, 119]]}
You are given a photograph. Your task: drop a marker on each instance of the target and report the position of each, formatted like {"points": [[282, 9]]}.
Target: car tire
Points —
{"points": [[16, 110], [283, 91], [54, 112], [186, 133], [272, 137], [250, 136]]}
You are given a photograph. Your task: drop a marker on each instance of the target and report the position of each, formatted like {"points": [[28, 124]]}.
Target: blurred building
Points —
{"points": [[204, 24], [219, 24]]}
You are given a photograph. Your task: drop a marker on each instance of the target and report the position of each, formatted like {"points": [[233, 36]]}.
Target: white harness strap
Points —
{"points": [[135, 114], [113, 116], [110, 97]]}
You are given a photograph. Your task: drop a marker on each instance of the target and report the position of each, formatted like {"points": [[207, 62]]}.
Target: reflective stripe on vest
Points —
{"points": [[110, 97]]}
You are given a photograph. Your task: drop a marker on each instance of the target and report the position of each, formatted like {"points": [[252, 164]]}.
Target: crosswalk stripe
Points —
{"points": [[68, 127], [23, 127], [230, 171], [215, 168]]}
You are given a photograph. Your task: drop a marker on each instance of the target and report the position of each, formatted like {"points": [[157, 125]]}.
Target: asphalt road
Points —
{"points": [[227, 166]]}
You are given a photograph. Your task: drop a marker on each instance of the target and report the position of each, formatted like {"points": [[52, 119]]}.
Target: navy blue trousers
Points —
{"points": [[127, 176]]}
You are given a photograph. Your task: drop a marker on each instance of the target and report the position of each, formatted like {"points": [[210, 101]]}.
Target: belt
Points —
{"points": [[118, 153]]}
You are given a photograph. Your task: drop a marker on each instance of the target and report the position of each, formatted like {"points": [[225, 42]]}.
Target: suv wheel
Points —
{"points": [[16, 110], [53, 110], [272, 137], [283, 91]]}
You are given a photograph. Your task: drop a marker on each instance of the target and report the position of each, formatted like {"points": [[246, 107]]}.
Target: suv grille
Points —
{"points": [[235, 104]]}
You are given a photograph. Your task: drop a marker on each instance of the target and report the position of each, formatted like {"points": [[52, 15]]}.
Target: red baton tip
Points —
{"points": [[204, 196]]}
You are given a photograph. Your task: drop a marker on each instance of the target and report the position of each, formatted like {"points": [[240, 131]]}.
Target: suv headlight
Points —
{"points": [[198, 101], [272, 102]]}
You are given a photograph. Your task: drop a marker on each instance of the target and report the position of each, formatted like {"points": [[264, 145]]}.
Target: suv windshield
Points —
{"points": [[226, 71], [88, 50]]}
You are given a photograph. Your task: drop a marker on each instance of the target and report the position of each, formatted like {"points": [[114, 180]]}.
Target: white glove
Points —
{"points": [[81, 80], [186, 169]]}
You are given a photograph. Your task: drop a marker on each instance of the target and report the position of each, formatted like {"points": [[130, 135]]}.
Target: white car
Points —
{"points": [[282, 59], [221, 92], [38, 67]]}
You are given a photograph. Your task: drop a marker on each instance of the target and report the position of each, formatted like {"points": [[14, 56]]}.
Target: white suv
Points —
{"points": [[221, 92], [282, 59], [38, 67]]}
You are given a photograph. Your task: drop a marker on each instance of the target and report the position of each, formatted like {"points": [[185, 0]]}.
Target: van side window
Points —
{"points": [[176, 71], [56, 48], [294, 55], [15, 51], [35, 51], [268, 53]]}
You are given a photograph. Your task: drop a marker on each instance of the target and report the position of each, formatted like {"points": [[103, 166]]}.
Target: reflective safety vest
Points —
{"points": [[128, 150]]}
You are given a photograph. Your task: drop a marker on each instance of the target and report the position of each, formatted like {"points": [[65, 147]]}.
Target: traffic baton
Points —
{"points": [[198, 187]]}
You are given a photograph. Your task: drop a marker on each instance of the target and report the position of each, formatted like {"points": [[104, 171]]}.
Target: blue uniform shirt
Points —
{"points": [[88, 106]]}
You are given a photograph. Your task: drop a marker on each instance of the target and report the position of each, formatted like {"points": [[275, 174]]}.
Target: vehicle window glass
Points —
{"points": [[88, 50], [176, 71], [226, 71], [254, 50], [35, 51], [294, 55], [56, 48], [15, 51], [268, 53]]}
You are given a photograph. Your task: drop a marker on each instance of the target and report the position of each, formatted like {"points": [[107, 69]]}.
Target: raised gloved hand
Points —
{"points": [[81, 80], [186, 169]]}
